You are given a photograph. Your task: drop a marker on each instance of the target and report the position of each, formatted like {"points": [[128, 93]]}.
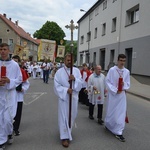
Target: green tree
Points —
{"points": [[68, 49], [50, 31]]}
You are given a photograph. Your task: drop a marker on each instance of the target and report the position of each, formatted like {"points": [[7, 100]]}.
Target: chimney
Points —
{"points": [[28, 33], [10, 19], [16, 23], [4, 15]]}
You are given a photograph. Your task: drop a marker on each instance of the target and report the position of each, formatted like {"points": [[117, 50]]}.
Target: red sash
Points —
{"points": [[25, 75], [88, 74]]}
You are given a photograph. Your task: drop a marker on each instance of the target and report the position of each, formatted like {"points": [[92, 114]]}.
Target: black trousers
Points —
{"points": [[45, 76], [18, 116], [99, 112], [83, 97]]}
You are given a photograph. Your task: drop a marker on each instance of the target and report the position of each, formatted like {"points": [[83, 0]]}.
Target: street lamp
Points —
{"points": [[83, 10]]}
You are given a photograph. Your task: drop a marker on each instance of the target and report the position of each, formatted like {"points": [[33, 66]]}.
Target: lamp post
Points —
{"points": [[83, 10], [71, 27]]}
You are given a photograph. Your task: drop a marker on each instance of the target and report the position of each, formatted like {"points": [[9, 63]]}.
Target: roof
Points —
{"points": [[17, 29], [90, 10], [38, 40]]}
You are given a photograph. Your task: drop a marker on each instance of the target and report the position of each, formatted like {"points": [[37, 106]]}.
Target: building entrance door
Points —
{"points": [[128, 52], [102, 58]]}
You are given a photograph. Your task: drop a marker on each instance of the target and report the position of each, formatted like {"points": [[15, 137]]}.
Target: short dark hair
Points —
{"points": [[4, 44], [121, 56], [16, 57], [67, 55], [84, 65]]}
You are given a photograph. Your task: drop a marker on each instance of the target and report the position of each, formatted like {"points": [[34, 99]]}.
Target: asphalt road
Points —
{"points": [[39, 126]]}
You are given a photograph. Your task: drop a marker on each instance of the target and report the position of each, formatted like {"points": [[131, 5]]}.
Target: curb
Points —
{"points": [[138, 95]]}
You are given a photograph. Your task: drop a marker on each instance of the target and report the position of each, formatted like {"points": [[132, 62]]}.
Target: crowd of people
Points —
{"points": [[43, 70], [72, 85], [90, 87]]}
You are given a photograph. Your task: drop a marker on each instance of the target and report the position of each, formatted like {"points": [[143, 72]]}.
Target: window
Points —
{"points": [[96, 11], [10, 41], [114, 22], [81, 59], [87, 57], [105, 4], [114, 1], [132, 15], [94, 58], [112, 54], [95, 34], [103, 29], [0, 40], [89, 36], [82, 39]]}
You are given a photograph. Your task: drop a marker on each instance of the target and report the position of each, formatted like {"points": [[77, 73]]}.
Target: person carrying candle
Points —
{"points": [[117, 82], [21, 90], [10, 78]]}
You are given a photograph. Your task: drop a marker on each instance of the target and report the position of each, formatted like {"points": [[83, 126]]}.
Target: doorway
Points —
{"points": [[112, 54], [128, 53], [102, 58]]}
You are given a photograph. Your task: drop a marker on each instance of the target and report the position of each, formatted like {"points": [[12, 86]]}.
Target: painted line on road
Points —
{"points": [[33, 96]]}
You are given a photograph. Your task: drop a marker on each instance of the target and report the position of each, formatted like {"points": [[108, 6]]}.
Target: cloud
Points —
{"points": [[32, 14]]}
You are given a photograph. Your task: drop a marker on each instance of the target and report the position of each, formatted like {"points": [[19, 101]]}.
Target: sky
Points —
{"points": [[33, 14]]}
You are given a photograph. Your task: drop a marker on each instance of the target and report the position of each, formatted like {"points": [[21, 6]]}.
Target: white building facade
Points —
{"points": [[111, 27]]}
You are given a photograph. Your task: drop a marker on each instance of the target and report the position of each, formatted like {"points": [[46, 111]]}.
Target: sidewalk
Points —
{"points": [[138, 89]]}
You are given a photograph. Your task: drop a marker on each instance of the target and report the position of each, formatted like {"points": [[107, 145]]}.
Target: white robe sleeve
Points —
{"points": [[77, 84], [14, 82], [126, 81], [90, 88], [59, 89], [109, 82], [25, 86], [90, 84], [61, 83]]}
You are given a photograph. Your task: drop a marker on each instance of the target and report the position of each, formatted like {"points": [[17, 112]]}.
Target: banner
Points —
{"points": [[18, 50], [46, 49], [60, 51]]}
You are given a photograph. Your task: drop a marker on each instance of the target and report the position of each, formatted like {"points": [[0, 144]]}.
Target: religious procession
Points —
{"points": [[72, 85]]}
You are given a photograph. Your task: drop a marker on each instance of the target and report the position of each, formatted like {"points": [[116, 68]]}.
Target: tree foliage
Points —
{"points": [[68, 50], [50, 31]]}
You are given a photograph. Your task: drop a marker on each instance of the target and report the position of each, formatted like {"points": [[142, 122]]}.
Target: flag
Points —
{"points": [[60, 51]]}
